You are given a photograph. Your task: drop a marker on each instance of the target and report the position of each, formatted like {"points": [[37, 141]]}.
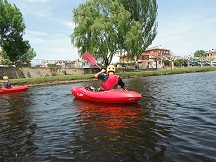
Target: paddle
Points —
{"points": [[90, 59]]}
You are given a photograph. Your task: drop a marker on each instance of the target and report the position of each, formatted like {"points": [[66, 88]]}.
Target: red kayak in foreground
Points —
{"points": [[111, 96], [13, 89]]}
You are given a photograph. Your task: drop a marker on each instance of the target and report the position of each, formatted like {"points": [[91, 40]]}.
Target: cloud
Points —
{"points": [[186, 28], [183, 26], [36, 9], [52, 46], [36, 1], [68, 24]]}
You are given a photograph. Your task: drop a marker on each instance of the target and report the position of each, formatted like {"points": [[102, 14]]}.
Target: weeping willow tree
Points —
{"points": [[107, 27], [144, 15]]}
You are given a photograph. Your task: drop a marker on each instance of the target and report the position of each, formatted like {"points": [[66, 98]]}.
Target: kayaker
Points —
{"points": [[6, 82], [109, 79]]}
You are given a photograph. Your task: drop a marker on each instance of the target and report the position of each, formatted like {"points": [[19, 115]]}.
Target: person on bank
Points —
{"points": [[6, 82], [109, 79]]}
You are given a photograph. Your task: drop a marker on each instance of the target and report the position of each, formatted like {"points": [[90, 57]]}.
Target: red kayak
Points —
{"points": [[13, 89], [111, 96]]}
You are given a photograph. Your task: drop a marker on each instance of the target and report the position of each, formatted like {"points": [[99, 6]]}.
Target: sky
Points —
{"points": [[184, 26]]}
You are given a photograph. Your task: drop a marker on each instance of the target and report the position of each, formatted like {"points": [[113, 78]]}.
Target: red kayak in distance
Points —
{"points": [[13, 89], [111, 96]]}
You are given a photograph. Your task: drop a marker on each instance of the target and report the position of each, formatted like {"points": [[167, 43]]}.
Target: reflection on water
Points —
{"points": [[174, 121], [118, 131], [108, 117]]}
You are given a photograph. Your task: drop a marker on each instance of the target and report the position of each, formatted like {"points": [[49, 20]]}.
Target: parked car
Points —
{"points": [[206, 64], [185, 64], [194, 63]]}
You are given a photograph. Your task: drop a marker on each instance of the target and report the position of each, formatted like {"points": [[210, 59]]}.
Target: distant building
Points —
{"points": [[60, 63], [44, 63], [74, 64], [211, 53], [153, 57], [125, 59]]}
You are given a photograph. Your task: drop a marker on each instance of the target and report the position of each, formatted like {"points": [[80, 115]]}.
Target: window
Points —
{"points": [[145, 57]]}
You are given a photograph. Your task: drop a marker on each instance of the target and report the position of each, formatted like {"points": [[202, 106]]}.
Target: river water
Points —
{"points": [[174, 121]]}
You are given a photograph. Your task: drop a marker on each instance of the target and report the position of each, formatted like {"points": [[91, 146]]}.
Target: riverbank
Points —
{"points": [[86, 77]]}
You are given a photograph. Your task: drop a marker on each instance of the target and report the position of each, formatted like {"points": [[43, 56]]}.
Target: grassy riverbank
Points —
{"points": [[135, 73]]}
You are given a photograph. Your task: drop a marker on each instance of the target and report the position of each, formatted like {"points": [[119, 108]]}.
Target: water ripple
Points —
{"points": [[174, 121]]}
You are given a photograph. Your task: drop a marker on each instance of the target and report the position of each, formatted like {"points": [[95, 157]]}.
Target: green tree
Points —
{"points": [[97, 29], [144, 13], [105, 28], [167, 63], [199, 53], [12, 29], [26, 58]]}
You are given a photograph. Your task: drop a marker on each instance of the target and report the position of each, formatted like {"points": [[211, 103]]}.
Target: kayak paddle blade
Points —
{"points": [[90, 59]]}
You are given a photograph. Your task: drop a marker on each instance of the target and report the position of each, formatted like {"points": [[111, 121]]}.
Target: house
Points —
{"points": [[211, 53], [153, 57], [211, 56], [125, 59]]}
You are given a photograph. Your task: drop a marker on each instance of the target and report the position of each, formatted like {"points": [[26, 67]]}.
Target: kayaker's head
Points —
{"points": [[110, 68], [5, 77]]}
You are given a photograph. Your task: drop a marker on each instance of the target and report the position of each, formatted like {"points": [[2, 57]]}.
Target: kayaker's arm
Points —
{"points": [[100, 72], [121, 83]]}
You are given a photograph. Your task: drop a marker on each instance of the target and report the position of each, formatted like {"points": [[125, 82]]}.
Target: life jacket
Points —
{"points": [[7, 84], [110, 83]]}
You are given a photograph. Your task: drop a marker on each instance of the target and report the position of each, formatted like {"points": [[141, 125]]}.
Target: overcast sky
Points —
{"points": [[184, 26]]}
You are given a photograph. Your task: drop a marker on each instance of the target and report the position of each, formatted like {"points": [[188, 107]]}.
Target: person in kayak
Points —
{"points": [[6, 82], [109, 79]]}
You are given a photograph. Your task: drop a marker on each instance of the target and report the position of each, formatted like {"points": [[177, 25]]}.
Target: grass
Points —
{"points": [[140, 73], [51, 79], [81, 77]]}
